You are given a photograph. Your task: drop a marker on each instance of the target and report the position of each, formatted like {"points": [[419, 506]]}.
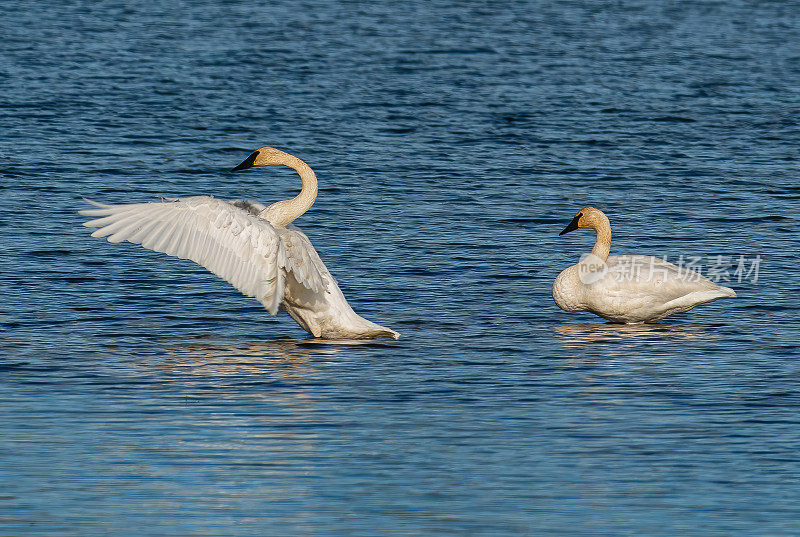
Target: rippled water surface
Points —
{"points": [[139, 395]]}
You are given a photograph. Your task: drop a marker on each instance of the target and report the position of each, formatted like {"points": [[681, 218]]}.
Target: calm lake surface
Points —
{"points": [[140, 395]]}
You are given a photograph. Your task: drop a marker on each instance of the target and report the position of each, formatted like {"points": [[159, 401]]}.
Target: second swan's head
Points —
{"points": [[588, 217], [263, 156]]}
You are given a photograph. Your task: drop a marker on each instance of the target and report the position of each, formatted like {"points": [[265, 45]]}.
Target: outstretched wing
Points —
{"points": [[232, 243], [303, 261]]}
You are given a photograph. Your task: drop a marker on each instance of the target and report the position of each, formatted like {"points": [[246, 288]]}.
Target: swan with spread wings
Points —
{"points": [[253, 247]]}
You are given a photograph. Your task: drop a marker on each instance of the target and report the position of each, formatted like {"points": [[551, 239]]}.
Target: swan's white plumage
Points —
{"points": [[635, 288], [628, 288], [303, 261], [233, 244], [249, 245]]}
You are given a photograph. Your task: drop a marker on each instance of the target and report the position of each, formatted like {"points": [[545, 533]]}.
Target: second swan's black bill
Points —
{"points": [[572, 226]]}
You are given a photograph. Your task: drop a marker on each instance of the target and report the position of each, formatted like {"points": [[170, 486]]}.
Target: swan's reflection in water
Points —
{"points": [[279, 358], [594, 335]]}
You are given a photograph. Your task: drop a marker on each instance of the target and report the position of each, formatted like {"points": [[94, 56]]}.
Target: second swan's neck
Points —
{"points": [[602, 246], [283, 213]]}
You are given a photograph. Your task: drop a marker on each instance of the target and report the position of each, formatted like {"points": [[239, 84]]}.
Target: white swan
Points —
{"points": [[251, 246], [628, 288]]}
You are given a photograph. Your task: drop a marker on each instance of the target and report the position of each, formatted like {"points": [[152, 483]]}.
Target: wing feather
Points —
{"points": [[227, 240], [171, 248], [303, 261], [640, 277]]}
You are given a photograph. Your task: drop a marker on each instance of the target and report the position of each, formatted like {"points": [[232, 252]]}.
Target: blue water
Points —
{"points": [[139, 395]]}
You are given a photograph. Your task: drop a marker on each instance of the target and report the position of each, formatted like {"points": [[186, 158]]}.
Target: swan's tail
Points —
{"points": [[340, 323], [381, 331], [365, 329], [704, 297], [726, 292]]}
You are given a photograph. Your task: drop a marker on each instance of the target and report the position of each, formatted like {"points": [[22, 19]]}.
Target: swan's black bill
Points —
{"points": [[572, 226], [248, 162]]}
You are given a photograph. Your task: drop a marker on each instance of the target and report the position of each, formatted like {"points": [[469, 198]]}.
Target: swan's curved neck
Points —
{"points": [[283, 213], [602, 245]]}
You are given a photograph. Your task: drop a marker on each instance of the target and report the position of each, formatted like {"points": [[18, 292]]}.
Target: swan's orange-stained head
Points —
{"points": [[588, 217], [263, 156]]}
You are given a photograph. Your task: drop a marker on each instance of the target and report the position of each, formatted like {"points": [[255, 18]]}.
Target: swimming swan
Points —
{"points": [[251, 246], [628, 288]]}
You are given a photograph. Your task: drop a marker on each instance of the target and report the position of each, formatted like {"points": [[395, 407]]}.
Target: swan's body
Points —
{"points": [[628, 288], [251, 246]]}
